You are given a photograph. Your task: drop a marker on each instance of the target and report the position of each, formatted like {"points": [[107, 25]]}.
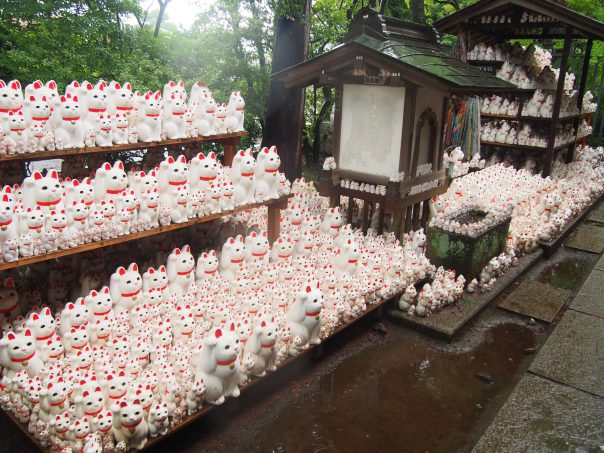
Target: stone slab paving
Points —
{"points": [[537, 300], [542, 416], [597, 215], [600, 264], [574, 353], [452, 319], [592, 285], [588, 237], [590, 298]]}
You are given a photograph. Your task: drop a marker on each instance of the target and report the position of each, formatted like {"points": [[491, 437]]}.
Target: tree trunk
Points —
{"points": [[323, 114], [284, 118], [162, 9], [418, 12]]}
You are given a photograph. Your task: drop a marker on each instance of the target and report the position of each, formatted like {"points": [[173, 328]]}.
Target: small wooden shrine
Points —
{"points": [[392, 81]]}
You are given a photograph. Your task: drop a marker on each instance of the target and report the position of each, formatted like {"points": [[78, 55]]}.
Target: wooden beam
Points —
{"points": [[549, 155], [584, 70]]}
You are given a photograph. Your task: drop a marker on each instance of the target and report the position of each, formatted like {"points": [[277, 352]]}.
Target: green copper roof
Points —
{"points": [[430, 58]]}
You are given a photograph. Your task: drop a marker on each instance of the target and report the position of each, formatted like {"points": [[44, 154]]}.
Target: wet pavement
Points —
{"points": [[400, 391]]}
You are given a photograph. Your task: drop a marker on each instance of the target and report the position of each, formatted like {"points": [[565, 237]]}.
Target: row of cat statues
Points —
{"points": [[129, 360], [515, 133], [38, 118], [45, 213]]}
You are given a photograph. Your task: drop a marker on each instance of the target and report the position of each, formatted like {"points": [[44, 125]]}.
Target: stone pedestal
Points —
{"points": [[467, 255]]}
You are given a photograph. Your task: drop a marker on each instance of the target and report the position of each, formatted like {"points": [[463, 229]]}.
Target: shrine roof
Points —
{"points": [[553, 21], [398, 47]]}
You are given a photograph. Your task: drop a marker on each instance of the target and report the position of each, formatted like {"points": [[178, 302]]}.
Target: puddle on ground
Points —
{"points": [[402, 396], [568, 273]]}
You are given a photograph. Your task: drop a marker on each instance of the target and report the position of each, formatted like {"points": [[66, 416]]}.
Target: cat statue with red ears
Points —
{"points": [[217, 364], [120, 99], [262, 345], [173, 121], [11, 100], [173, 173], [129, 425], [18, 353], [267, 174], [243, 177], [181, 270], [71, 132], [16, 137], [43, 191], [304, 316], [109, 183], [125, 288], [149, 118], [232, 258], [235, 112]]}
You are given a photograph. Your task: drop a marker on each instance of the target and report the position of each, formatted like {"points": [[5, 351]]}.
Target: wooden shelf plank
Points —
{"points": [[58, 154], [132, 236], [499, 116], [524, 147], [534, 119]]}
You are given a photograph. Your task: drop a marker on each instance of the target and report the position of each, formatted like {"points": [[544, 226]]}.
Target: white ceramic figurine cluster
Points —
{"points": [[585, 129], [444, 290], [46, 213], [131, 359], [363, 187], [498, 105], [491, 217], [514, 134], [542, 207], [107, 114], [588, 105], [532, 55]]}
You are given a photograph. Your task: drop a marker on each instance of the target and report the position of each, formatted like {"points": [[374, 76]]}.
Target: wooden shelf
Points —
{"points": [[498, 116], [534, 119], [58, 154], [208, 408], [134, 236], [525, 147]]}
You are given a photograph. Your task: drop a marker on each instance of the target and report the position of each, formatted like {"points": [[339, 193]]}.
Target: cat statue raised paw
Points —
{"points": [[129, 424], [304, 316], [217, 365]]}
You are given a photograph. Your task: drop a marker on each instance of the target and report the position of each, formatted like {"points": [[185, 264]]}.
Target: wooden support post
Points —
{"points": [[553, 125], [365, 216], [397, 220], [416, 214], [381, 215], [408, 219], [350, 209], [334, 201], [582, 82], [425, 214], [229, 153], [274, 220]]}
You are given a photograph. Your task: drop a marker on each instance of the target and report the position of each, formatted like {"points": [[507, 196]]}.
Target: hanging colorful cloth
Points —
{"points": [[462, 126]]}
